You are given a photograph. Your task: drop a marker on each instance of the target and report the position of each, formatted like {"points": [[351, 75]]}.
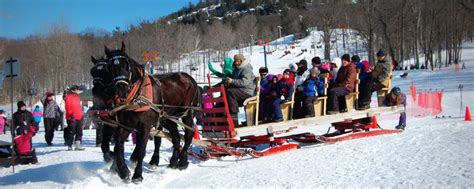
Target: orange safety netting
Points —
{"points": [[428, 102]]}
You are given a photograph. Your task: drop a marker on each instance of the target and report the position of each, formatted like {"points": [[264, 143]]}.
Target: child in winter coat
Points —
{"points": [[266, 86], [397, 98], [312, 87], [283, 88], [23, 147], [37, 114], [364, 70]]}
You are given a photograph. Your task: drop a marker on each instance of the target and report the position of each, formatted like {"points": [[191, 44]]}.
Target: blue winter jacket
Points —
{"points": [[363, 75], [313, 87]]}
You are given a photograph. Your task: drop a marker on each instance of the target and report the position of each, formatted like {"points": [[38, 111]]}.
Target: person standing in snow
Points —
{"points": [[3, 122], [50, 113], [37, 114], [74, 117], [23, 119], [397, 98]]}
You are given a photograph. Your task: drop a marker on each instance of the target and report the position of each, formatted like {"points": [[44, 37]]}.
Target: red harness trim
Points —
{"points": [[144, 88]]}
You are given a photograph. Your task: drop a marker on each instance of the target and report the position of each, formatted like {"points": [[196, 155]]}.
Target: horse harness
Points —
{"points": [[140, 99]]}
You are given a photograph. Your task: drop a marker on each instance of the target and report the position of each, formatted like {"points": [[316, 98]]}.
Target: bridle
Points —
{"points": [[122, 78], [103, 82], [100, 80]]}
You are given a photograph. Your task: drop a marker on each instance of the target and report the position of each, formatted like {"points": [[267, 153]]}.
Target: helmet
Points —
{"points": [[396, 91]]}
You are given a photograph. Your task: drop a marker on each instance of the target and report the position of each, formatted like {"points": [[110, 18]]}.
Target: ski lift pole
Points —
{"points": [[12, 129], [265, 55]]}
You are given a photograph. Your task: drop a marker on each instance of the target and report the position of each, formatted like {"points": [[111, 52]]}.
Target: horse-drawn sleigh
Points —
{"points": [[126, 99]]}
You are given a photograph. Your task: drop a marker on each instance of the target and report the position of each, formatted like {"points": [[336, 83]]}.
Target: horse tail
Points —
{"points": [[197, 97]]}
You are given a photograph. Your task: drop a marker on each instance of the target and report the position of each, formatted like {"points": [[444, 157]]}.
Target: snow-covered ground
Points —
{"points": [[430, 153]]}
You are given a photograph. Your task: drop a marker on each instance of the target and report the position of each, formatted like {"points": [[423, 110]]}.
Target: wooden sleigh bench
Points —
{"points": [[384, 91], [287, 107], [251, 105], [353, 97], [320, 103]]}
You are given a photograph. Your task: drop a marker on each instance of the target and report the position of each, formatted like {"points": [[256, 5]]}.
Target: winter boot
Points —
{"points": [[69, 148], [402, 127], [78, 146]]}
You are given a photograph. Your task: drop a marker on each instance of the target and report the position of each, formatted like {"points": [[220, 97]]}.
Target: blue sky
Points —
{"points": [[20, 18]]}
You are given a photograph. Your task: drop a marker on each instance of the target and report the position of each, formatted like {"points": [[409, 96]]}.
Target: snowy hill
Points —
{"points": [[430, 153]]}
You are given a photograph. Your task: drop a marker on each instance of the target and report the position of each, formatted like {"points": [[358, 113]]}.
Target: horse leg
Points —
{"points": [[135, 154], [172, 127], [155, 159], [107, 132], [142, 140], [122, 169], [188, 139]]}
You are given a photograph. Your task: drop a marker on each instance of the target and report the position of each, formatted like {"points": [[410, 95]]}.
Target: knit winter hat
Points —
{"points": [[316, 60], [381, 52], [20, 104], [355, 58], [346, 57], [263, 70]]}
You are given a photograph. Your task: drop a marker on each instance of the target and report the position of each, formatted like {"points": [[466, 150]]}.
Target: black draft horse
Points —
{"points": [[177, 95], [103, 92]]}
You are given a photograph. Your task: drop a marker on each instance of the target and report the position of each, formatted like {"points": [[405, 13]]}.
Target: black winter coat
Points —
{"points": [[23, 119]]}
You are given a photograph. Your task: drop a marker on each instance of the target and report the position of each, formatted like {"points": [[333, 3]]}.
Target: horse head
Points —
{"points": [[125, 71], [103, 88]]}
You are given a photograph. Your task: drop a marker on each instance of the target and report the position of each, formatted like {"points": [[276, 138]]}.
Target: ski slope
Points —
{"points": [[430, 153]]}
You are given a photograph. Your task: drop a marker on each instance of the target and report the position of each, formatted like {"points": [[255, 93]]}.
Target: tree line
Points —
{"points": [[406, 28]]}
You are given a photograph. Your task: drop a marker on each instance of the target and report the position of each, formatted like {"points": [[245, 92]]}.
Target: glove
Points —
{"points": [[228, 80]]}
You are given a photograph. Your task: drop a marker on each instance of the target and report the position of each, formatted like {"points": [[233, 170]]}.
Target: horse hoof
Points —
{"points": [[183, 166], [137, 179], [154, 161], [173, 166], [124, 175], [114, 167], [108, 157], [133, 158]]}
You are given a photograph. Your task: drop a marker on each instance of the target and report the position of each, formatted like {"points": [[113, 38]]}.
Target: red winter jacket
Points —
{"points": [[73, 107], [23, 142]]}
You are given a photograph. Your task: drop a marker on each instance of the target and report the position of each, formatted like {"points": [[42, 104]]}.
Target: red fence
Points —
{"points": [[429, 101]]}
